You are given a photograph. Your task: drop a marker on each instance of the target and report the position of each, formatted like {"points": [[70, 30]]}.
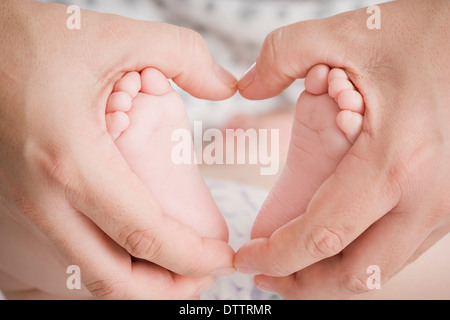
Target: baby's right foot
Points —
{"points": [[328, 121]]}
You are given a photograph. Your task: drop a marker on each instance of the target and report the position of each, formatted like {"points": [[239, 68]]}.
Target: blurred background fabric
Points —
{"points": [[239, 205]]}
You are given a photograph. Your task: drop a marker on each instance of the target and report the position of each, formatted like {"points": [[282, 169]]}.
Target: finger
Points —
{"points": [[377, 255], [348, 203], [119, 204], [170, 285], [108, 271], [181, 54], [289, 52]]}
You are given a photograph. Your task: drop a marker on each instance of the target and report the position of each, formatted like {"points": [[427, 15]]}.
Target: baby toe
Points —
{"points": [[130, 83], [351, 100], [337, 73], [119, 101], [316, 81], [351, 123], [117, 123], [338, 85], [154, 82]]}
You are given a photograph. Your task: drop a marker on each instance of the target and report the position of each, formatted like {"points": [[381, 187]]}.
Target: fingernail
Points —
{"points": [[225, 76], [246, 270], [265, 287], [227, 271], [248, 78], [205, 286]]}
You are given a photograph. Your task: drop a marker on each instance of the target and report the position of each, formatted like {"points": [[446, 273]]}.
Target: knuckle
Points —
{"points": [[407, 173], [281, 46], [52, 164], [194, 53], [192, 43], [275, 47], [142, 244], [62, 171], [55, 167], [280, 268], [324, 243], [107, 289]]}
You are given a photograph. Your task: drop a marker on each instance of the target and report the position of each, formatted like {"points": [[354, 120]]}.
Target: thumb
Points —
{"points": [[180, 54], [358, 194], [289, 52]]}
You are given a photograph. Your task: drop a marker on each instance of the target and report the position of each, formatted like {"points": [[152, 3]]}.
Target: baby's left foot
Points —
{"points": [[141, 115]]}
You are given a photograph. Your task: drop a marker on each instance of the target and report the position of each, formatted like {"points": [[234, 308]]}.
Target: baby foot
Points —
{"points": [[328, 121], [141, 115]]}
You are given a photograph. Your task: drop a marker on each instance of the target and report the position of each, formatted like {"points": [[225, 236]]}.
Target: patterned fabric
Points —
{"points": [[239, 205]]}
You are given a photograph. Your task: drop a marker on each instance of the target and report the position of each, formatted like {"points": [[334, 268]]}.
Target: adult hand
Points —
{"points": [[389, 199], [61, 174]]}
